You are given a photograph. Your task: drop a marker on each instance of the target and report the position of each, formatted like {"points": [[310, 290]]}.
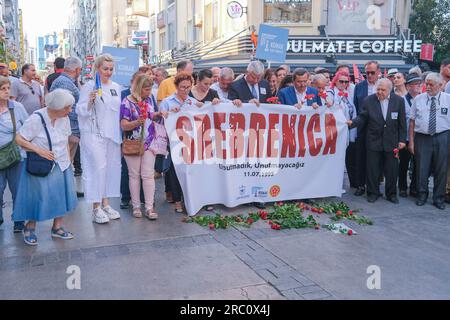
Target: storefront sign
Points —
{"points": [[139, 37], [235, 10], [352, 46], [253, 154], [164, 57]]}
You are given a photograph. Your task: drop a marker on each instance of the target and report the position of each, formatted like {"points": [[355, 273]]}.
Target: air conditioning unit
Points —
{"points": [[198, 20]]}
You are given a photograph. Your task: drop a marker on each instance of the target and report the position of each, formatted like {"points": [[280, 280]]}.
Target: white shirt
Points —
{"points": [[384, 107], [447, 88], [155, 89], [371, 89], [256, 88], [222, 94], [420, 112], [301, 97], [345, 104], [104, 117], [34, 131]]}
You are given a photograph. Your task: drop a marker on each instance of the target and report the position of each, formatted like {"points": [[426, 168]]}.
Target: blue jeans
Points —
{"points": [[10, 177]]}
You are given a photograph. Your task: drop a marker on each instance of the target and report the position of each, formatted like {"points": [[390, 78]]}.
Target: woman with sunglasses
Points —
{"points": [[100, 140], [341, 98]]}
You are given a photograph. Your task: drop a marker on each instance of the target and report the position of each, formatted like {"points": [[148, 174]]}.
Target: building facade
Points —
{"points": [[321, 32], [12, 30]]}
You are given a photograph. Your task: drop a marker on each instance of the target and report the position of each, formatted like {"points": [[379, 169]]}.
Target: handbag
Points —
{"points": [[10, 153], [162, 163], [160, 141], [132, 147], [37, 165]]}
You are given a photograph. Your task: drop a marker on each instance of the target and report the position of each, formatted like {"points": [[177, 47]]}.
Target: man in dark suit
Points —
{"points": [[252, 88], [362, 91], [384, 115], [300, 94]]}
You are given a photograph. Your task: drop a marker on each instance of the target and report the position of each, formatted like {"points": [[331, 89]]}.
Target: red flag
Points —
{"points": [[254, 38]]}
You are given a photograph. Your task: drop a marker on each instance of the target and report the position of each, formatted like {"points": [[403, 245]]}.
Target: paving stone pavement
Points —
{"points": [[168, 259]]}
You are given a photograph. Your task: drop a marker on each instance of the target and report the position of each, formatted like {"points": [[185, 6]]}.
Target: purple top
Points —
{"points": [[130, 111]]}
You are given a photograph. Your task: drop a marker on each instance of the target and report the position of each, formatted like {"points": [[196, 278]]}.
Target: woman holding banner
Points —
{"points": [[180, 99], [99, 119]]}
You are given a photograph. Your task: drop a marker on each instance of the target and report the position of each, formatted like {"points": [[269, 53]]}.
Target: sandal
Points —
{"points": [[209, 208], [151, 215], [31, 239], [179, 209], [137, 213], [62, 234]]}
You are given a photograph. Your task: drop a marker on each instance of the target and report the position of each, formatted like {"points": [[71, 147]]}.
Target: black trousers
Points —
{"points": [[406, 159], [431, 157], [174, 184], [352, 166], [76, 161], [378, 163], [361, 160]]}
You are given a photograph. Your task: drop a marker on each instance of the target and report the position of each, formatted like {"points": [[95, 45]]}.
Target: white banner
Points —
{"points": [[228, 155]]}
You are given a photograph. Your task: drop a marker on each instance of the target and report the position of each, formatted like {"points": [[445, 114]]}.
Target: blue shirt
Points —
{"points": [[6, 125], [64, 81], [172, 102]]}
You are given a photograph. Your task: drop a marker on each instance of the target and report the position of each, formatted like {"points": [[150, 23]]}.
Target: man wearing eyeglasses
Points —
{"points": [[27, 91], [362, 91]]}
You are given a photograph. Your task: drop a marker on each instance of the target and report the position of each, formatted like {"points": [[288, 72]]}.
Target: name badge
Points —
{"points": [[114, 93], [444, 111], [263, 90], [394, 115]]}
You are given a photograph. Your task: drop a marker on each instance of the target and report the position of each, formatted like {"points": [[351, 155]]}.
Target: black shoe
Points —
{"points": [[440, 206], [80, 194], [78, 174], [447, 198], [413, 193], [260, 205], [1, 222], [403, 194], [421, 202], [18, 227], [371, 198], [125, 204], [393, 199], [360, 191]]}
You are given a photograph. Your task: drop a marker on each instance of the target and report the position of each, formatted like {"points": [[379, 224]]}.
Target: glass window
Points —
{"points": [[287, 11]]}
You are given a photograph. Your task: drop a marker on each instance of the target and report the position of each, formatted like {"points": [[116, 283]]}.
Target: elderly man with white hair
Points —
{"points": [[222, 87], [68, 80], [45, 135], [429, 139], [252, 88], [384, 115]]}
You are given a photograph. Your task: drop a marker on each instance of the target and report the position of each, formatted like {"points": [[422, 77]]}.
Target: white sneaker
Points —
{"points": [[112, 214], [99, 216]]}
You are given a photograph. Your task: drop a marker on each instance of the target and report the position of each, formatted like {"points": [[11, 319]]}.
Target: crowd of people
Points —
{"points": [[112, 136]]}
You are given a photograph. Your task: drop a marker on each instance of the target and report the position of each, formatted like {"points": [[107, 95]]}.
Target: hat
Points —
{"points": [[392, 72], [413, 77]]}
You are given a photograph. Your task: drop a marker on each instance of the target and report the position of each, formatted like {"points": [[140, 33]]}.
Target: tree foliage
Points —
{"points": [[430, 22]]}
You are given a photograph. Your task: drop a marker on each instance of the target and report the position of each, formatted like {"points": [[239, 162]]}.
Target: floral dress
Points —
{"points": [[132, 111]]}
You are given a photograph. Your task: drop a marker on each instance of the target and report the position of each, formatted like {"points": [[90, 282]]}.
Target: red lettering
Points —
{"points": [[331, 134], [219, 119], [314, 144], [288, 136], [204, 143], [184, 125], [273, 135], [256, 135], [301, 136], [237, 128]]}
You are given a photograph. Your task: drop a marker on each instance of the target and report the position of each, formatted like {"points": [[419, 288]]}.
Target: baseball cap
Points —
{"points": [[413, 77], [392, 72]]}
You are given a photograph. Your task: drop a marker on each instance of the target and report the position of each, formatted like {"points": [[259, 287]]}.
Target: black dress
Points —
{"points": [[212, 94]]}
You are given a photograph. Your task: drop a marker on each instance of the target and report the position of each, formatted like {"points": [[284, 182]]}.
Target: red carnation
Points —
{"points": [[350, 232], [310, 96]]}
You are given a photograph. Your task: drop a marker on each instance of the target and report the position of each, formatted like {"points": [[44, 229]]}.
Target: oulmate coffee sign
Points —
{"points": [[354, 46]]}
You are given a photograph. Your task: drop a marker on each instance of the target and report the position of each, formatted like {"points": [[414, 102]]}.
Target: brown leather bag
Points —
{"points": [[132, 147]]}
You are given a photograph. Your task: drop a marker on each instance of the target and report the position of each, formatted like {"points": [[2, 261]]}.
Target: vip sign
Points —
{"points": [[351, 46]]}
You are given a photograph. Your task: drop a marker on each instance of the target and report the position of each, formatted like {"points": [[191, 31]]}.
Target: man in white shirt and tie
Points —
{"points": [[429, 139]]}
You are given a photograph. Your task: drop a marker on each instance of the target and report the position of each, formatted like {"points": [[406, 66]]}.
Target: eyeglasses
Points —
{"points": [[31, 88], [371, 73], [184, 88], [344, 81]]}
